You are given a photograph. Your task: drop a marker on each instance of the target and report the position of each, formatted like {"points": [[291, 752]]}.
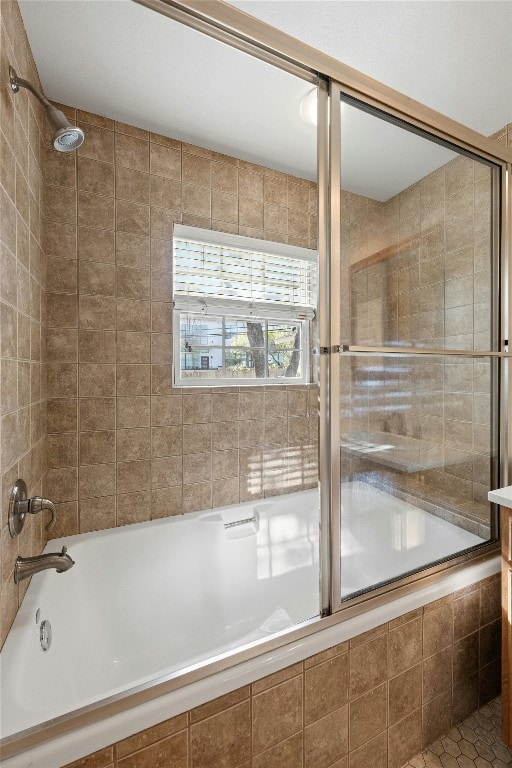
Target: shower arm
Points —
{"points": [[58, 117], [66, 137], [17, 82]]}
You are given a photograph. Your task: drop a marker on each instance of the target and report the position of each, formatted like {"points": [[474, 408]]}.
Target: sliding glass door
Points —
{"points": [[416, 378]]}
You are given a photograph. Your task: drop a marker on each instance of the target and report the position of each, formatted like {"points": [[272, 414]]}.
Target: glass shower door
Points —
{"points": [[419, 360]]}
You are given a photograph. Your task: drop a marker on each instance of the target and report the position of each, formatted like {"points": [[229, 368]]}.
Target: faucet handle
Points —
{"points": [[38, 504], [51, 524], [20, 506]]}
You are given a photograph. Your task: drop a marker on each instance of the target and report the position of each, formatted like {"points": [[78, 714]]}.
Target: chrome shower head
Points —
{"points": [[66, 137]]}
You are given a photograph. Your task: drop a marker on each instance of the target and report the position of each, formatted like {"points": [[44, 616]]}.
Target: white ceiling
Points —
{"points": [[118, 59], [452, 55]]}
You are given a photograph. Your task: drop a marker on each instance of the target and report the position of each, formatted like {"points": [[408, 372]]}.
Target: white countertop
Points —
{"points": [[502, 496]]}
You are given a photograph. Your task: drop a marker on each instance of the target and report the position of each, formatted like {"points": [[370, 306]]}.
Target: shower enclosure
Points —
{"points": [[407, 337]]}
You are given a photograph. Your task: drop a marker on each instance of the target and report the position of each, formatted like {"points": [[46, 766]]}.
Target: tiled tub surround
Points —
{"points": [[375, 700], [22, 303], [109, 212], [123, 446]]}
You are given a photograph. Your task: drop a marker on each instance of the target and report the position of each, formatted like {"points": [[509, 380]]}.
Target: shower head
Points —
{"points": [[66, 137]]}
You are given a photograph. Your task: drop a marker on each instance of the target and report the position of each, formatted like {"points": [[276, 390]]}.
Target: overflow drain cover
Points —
{"points": [[45, 634]]}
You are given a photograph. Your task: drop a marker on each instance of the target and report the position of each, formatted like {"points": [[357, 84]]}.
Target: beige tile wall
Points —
{"points": [[437, 282], [123, 446], [22, 302], [432, 289], [373, 702]]}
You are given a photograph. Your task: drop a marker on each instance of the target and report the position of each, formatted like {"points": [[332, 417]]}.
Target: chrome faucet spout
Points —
{"points": [[28, 566]]}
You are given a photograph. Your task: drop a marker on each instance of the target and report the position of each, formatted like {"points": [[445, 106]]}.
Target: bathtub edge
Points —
{"points": [[90, 738]]}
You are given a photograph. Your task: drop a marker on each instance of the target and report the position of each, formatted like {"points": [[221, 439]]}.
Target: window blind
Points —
{"points": [[212, 276]]}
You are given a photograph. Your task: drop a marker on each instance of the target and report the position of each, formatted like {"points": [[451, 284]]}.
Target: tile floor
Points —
{"points": [[474, 743]]}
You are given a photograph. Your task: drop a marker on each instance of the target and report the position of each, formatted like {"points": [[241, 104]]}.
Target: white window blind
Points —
{"points": [[214, 271]]}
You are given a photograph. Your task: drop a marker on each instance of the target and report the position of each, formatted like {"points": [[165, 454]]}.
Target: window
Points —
{"points": [[242, 309]]}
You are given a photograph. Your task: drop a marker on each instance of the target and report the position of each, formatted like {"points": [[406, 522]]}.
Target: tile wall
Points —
{"points": [[123, 446], [22, 302], [372, 702], [420, 275], [436, 277]]}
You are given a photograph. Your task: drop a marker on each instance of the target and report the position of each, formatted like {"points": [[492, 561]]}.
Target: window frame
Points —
{"points": [[234, 308], [179, 381]]}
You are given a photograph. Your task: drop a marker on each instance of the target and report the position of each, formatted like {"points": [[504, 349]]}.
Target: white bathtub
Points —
{"points": [[146, 601]]}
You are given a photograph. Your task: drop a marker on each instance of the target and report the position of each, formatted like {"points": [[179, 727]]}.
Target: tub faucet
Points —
{"points": [[27, 566]]}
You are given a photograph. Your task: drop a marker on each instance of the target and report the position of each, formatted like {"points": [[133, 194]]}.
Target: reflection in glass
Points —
{"points": [[416, 459], [416, 226], [199, 330], [384, 537], [236, 333]]}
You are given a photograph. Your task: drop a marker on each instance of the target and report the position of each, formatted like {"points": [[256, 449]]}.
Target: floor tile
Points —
{"points": [[473, 743]]}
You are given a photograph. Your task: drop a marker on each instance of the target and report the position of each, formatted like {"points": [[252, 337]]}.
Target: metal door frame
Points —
{"points": [[501, 253]]}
